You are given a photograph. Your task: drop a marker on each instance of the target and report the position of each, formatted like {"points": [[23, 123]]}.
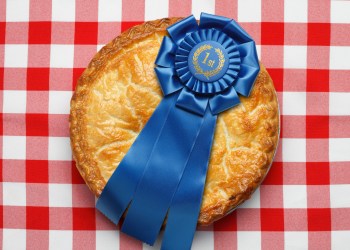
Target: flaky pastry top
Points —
{"points": [[117, 94]]}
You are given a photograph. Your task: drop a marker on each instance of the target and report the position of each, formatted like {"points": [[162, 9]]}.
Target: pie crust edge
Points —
{"points": [[87, 166]]}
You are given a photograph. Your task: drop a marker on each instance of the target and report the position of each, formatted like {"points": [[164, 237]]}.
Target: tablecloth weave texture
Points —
{"points": [[44, 47]]}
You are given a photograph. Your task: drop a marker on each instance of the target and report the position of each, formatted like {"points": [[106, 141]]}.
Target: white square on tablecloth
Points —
{"points": [[339, 103], [14, 147], [14, 101], [294, 56], [199, 6], [59, 102], [340, 11], [99, 47], [253, 202], [110, 11], [248, 240], [17, 11], [295, 11], [339, 57], [295, 240], [107, 239], [249, 10], [59, 149], [60, 195], [294, 103], [258, 51], [340, 196], [60, 239], [14, 194], [61, 56], [203, 240], [156, 9], [293, 149], [340, 239], [16, 55], [14, 239], [63, 10], [339, 149], [294, 196]]}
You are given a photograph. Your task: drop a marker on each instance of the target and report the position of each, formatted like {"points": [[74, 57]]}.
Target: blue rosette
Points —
{"points": [[201, 70]]}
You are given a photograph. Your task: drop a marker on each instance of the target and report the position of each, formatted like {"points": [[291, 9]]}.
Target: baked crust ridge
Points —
{"points": [[116, 95]]}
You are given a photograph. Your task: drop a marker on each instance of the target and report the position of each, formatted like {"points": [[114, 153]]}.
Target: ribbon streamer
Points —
{"points": [[201, 69]]}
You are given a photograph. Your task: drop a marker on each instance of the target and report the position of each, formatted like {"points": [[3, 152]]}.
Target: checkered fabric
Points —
{"points": [[45, 45]]}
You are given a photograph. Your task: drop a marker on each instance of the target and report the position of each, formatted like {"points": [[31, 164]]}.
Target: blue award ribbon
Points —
{"points": [[201, 70]]}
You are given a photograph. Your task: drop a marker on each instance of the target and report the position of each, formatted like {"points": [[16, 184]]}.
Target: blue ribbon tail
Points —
{"points": [[186, 204], [120, 188], [163, 174]]}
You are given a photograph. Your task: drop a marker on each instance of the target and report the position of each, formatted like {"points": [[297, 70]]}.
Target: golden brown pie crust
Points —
{"points": [[117, 94]]}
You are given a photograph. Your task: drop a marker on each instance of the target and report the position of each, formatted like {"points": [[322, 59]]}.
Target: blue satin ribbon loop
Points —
{"points": [[180, 29], [196, 104], [224, 101], [246, 79], [213, 21], [248, 52], [233, 29], [200, 70], [166, 54], [168, 76]]}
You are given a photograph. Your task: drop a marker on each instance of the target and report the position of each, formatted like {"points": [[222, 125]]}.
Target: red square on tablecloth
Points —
{"points": [[319, 219], [38, 78], [229, 223], [128, 25], [272, 33], [37, 171], [318, 34], [86, 32], [275, 175], [84, 218], [317, 126], [77, 72], [39, 33], [37, 125], [317, 173], [272, 219], [37, 218], [277, 77], [317, 80], [76, 177], [2, 32]]}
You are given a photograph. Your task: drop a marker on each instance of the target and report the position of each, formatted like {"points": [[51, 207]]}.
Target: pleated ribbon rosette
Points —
{"points": [[201, 70]]}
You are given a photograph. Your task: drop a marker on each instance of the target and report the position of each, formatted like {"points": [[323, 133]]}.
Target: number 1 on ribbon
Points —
{"points": [[206, 57]]}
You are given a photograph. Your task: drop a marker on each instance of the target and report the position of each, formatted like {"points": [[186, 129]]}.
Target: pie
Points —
{"points": [[117, 94]]}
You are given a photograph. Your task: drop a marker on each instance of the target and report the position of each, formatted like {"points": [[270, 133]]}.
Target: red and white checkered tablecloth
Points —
{"points": [[45, 45]]}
